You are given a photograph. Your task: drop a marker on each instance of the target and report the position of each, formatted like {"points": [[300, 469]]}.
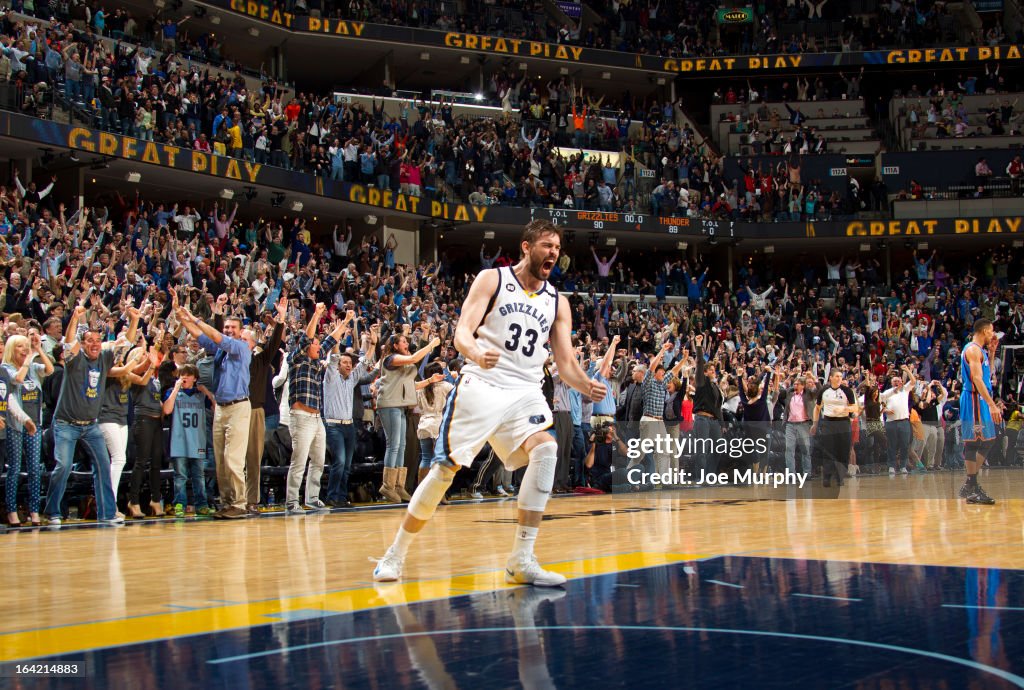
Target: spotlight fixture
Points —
{"points": [[133, 177], [277, 199], [296, 206], [47, 157], [227, 194], [250, 193]]}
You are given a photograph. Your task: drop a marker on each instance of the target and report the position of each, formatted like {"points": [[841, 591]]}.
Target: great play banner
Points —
{"points": [[86, 141], [478, 43]]}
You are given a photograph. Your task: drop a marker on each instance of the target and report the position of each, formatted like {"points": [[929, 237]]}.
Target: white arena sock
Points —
{"points": [[403, 540], [526, 537]]}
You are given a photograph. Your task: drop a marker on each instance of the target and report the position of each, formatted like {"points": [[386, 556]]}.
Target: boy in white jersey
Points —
{"points": [[507, 318]]}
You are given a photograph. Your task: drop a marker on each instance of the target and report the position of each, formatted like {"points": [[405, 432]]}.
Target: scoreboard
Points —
{"points": [[633, 222], [597, 220]]}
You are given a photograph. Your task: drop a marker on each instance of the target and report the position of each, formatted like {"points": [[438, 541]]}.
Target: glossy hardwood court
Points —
{"points": [[127, 600]]}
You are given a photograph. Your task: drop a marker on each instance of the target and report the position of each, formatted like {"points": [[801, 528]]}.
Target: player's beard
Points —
{"points": [[536, 268]]}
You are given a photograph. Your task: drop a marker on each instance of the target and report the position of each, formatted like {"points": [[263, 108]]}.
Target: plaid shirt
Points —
{"points": [[305, 375], [654, 392]]}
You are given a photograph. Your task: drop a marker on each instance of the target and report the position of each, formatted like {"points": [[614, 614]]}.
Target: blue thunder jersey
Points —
{"points": [[188, 424], [975, 416]]}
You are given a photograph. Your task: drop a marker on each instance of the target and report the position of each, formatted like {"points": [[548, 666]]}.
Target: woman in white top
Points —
{"points": [[431, 394]]}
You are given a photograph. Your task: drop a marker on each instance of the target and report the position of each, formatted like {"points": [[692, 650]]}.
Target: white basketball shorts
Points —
{"points": [[477, 412]]}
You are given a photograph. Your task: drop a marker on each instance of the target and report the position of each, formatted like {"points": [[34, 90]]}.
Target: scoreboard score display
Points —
{"points": [[597, 220]]}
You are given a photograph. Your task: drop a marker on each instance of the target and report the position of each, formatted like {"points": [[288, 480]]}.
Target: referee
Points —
{"points": [[836, 403]]}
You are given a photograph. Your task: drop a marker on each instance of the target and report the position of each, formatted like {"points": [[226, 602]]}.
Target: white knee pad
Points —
{"points": [[430, 492], [539, 477]]}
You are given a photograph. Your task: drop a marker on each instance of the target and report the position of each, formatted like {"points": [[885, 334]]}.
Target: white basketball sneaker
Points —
{"points": [[389, 568], [527, 571]]}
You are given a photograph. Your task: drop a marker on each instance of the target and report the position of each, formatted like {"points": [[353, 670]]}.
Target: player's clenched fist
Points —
{"points": [[597, 391], [488, 359]]}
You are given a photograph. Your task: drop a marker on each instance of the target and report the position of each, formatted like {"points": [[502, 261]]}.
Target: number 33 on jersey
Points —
{"points": [[517, 323]]}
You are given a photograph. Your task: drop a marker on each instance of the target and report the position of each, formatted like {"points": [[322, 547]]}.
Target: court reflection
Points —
{"points": [[724, 622]]}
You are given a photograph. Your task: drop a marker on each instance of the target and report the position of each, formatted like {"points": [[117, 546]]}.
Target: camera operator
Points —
{"points": [[607, 452]]}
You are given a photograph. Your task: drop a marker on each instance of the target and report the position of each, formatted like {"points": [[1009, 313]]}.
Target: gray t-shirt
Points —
{"points": [[205, 366], [115, 404], [147, 399], [30, 391], [81, 391]]}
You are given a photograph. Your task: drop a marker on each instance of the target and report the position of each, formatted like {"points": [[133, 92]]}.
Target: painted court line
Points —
{"points": [[724, 584], [999, 673], [823, 596]]}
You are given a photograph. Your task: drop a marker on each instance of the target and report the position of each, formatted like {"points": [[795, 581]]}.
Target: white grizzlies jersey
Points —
{"points": [[517, 324]]}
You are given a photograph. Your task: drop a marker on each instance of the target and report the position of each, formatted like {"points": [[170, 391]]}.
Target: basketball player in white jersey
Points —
{"points": [[507, 319]]}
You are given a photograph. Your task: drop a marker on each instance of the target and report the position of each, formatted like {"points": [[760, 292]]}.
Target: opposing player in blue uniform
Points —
{"points": [[979, 412]]}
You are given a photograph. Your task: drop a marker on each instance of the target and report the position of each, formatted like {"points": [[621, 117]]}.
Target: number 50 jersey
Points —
{"points": [[517, 324]]}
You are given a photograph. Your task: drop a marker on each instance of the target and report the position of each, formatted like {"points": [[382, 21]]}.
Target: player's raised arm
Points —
{"points": [[565, 357], [473, 311]]}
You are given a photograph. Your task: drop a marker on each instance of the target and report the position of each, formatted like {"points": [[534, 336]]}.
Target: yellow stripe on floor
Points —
{"points": [[83, 637]]}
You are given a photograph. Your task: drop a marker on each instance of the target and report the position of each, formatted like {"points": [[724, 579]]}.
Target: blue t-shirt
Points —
{"points": [[607, 406]]}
